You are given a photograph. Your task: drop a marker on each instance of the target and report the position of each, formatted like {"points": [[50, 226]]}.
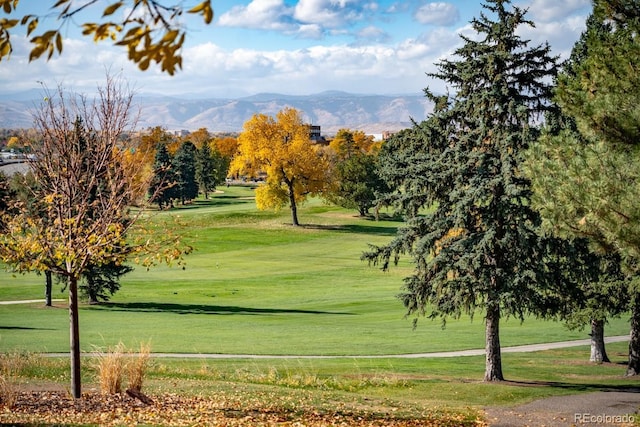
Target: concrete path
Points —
{"points": [[28, 301]]}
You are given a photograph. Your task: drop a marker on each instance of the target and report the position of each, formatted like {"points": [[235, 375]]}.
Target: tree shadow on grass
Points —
{"points": [[152, 307], [216, 202], [578, 387], [353, 228]]}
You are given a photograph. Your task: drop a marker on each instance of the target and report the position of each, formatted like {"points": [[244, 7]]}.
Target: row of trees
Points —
{"points": [[187, 173], [519, 191]]}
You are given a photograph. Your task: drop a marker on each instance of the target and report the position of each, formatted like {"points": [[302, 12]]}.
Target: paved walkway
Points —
{"points": [[28, 301], [597, 409]]}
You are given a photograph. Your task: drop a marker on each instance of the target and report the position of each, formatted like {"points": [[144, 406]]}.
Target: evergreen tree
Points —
{"points": [[205, 170], [211, 168], [184, 163], [162, 187], [100, 282], [477, 247], [586, 166], [221, 166]]}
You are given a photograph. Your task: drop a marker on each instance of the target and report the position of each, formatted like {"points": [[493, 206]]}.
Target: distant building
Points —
{"points": [[386, 135], [315, 135]]}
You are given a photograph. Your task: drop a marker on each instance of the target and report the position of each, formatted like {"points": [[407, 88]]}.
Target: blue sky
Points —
{"points": [[294, 47]]}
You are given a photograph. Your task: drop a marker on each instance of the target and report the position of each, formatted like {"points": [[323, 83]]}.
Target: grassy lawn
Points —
{"points": [[256, 285]]}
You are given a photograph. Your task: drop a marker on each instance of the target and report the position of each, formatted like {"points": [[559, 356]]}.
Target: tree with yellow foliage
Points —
{"points": [[85, 180], [281, 148], [148, 29]]}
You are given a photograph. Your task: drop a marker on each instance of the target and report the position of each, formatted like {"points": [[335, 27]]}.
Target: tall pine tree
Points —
{"points": [[477, 247], [586, 165], [184, 163], [162, 189]]}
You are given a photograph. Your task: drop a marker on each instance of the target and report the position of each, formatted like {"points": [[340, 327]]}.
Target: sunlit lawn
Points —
{"points": [[255, 284]]}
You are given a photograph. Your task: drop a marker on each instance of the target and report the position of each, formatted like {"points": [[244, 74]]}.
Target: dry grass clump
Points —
{"points": [[137, 367], [11, 364], [116, 361], [110, 365]]}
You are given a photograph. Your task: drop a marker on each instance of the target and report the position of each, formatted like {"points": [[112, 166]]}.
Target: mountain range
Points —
{"points": [[331, 110]]}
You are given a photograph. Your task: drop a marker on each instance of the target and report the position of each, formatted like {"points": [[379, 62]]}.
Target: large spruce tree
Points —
{"points": [[470, 227]]}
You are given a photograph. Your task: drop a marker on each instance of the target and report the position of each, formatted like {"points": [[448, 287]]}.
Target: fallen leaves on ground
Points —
{"points": [[55, 407]]}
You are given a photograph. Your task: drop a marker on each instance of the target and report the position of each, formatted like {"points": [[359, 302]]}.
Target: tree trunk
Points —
{"points": [[47, 288], [633, 368], [493, 361], [74, 329], [292, 202], [598, 351]]}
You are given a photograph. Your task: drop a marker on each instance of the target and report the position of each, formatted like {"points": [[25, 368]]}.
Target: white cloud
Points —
{"points": [[439, 13], [310, 31], [560, 35], [372, 34], [261, 14], [331, 13], [554, 10]]}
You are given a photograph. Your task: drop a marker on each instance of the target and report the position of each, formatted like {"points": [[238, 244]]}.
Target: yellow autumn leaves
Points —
{"points": [[148, 30], [279, 147]]}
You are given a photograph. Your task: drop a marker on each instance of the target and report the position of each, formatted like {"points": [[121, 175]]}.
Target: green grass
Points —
{"points": [[256, 285]]}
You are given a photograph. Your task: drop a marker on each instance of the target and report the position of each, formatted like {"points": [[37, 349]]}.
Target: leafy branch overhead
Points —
{"points": [[148, 29]]}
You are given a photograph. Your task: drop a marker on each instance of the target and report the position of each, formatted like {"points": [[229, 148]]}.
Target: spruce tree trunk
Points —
{"points": [[633, 368], [493, 364], [47, 288], [74, 338], [598, 351]]}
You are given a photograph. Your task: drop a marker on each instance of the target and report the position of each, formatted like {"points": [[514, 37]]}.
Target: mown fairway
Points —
{"points": [[256, 285]]}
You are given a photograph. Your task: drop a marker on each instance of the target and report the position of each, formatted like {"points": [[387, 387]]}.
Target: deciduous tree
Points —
{"points": [[85, 189], [470, 228], [150, 30], [356, 183], [281, 148]]}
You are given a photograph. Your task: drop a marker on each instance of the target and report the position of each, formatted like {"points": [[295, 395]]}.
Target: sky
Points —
{"points": [[294, 47]]}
